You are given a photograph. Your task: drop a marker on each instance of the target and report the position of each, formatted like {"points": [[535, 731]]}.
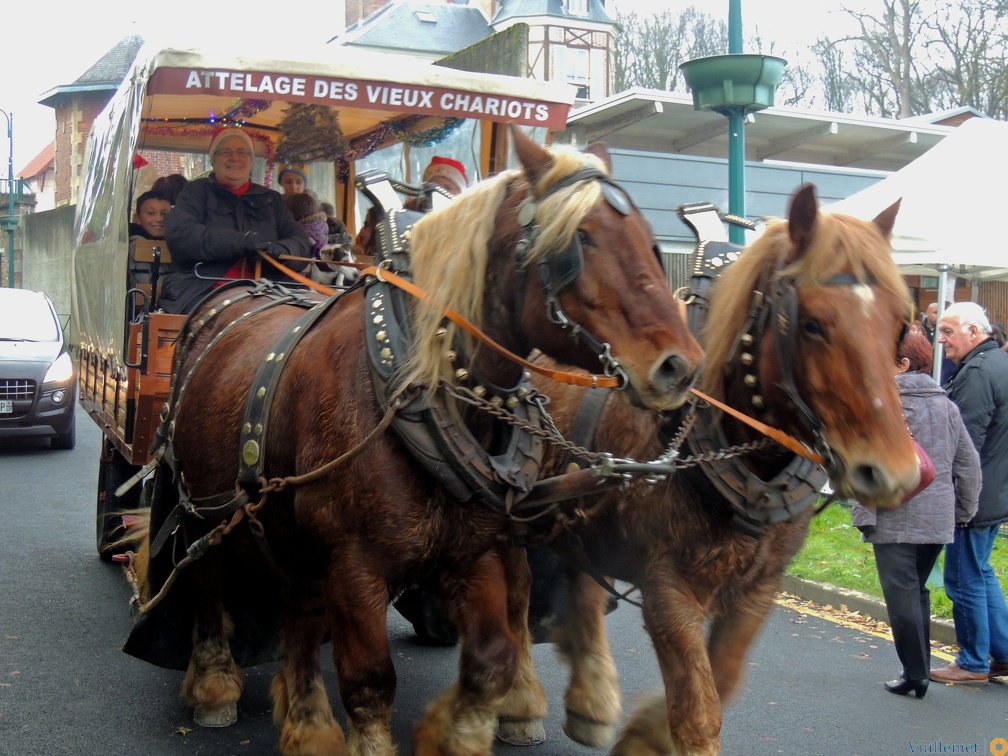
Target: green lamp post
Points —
{"points": [[734, 85], [9, 222]]}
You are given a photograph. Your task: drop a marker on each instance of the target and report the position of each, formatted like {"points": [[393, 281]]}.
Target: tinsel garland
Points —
{"points": [[194, 129], [427, 137]]}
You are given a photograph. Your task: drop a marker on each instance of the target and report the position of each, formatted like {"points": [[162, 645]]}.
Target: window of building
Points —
{"points": [[572, 67], [577, 7]]}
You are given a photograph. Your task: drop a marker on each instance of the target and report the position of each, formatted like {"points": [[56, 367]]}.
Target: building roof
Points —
{"points": [[659, 121], [106, 74], [40, 163], [433, 29], [518, 9]]}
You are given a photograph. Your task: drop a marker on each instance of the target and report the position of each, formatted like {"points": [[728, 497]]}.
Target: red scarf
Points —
{"points": [[242, 267]]}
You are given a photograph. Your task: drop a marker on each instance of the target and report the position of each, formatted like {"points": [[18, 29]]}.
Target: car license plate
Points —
{"points": [[6, 407]]}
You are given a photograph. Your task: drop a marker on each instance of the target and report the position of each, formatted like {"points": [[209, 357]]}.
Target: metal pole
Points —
{"points": [[736, 134], [10, 198]]}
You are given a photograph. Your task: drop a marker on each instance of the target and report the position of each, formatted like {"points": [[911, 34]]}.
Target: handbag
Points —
{"points": [[927, 471]]}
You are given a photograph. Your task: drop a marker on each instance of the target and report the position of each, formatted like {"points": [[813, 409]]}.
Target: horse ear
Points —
{"points": [[601, 151], [802, 218], [534, 159], [887, 219]]}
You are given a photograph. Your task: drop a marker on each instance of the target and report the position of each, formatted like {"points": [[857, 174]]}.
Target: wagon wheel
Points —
{"points": [[113, 471]]}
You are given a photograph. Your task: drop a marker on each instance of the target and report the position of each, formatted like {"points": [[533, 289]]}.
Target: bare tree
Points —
{"points": [[650, 48], [971, 38], [838, 86], [887, 56]]}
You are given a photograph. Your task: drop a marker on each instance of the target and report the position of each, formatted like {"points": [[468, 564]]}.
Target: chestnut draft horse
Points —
{"points": [[321, 555], [801, 335]]}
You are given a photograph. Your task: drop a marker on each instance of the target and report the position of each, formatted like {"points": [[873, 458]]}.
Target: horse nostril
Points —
{"points": [[673, 373], [867, 478]]}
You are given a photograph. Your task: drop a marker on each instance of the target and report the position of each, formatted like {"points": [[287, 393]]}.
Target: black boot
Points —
{"points": [[903, 686]]}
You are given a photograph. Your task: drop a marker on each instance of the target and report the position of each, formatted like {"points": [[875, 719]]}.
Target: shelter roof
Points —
{"points": [[430, 28], [518, 9], [40, 163], [106, 74], [660, 121]]}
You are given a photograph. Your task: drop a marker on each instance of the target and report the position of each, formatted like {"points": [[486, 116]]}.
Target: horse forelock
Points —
{"points": [[560, 213], [841, 244]]}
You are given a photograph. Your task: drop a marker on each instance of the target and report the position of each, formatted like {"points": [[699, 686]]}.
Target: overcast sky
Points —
{"points": [[50, 44]]}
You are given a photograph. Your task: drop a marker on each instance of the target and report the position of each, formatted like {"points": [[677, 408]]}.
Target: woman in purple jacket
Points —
{"points": [[908, 540]]}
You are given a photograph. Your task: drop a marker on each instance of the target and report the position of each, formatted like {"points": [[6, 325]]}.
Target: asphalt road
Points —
{"points": [[814, 686]]}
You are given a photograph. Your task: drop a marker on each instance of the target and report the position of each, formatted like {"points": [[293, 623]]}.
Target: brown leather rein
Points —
{"points": [[562, 376]]}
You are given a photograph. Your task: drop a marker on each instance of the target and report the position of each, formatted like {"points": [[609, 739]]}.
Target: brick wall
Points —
{"points": [[74, 116]]}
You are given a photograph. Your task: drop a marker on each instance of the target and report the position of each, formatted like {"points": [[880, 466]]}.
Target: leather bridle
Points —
{"points": [[559, 270]]}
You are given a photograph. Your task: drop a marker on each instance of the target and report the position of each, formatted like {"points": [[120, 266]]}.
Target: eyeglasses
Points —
{"points": [[227, 152]]}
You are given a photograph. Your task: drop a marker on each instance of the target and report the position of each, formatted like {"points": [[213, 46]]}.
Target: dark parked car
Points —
{"points": [[38, 383]]}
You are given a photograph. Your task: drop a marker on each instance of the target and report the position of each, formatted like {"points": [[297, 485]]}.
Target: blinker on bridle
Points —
{"points": [[559, 270]]}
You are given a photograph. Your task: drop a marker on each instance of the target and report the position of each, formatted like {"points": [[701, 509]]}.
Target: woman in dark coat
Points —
{"points": [[221, 223], [908, 540]]}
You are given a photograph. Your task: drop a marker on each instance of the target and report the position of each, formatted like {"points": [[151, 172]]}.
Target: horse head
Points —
{"points": [[600, 275], [803, 333], [555, 257]]}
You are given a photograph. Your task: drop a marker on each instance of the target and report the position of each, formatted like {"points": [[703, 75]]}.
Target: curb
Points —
{"points": [[942, 631]]}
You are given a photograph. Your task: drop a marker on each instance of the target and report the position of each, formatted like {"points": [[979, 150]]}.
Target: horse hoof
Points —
{"points": [[521, 732], [588, 731], [223, 716]]}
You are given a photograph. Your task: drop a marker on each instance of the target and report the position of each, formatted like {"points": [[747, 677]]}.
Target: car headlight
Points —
{"points": [[61, 370]]}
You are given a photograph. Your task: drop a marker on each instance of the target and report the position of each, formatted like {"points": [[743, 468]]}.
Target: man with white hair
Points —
{"points": [[979, 387]]}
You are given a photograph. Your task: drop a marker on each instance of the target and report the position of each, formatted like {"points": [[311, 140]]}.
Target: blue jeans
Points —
{"points": [[978, 602]]}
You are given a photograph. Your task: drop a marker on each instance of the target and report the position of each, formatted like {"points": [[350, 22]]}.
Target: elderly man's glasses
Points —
{"points": [[228, 152]]}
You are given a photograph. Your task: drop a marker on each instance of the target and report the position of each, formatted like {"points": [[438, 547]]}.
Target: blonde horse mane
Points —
{"points": [[841, 243], [448, 257]]}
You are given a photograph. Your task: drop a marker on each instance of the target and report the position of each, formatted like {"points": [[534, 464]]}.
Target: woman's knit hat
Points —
{"points": [[226, 132], [300, 170], [448, 169]]}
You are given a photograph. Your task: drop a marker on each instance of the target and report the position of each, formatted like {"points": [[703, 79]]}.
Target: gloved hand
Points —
{"points": [[273, 249], [254, 242]]}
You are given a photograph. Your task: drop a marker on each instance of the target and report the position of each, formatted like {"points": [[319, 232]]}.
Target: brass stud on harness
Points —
{"points": [[511, 402], [441, 333], [451, 355], [258, 429], [246, 429], [496, 401], [380, 336], [386, 354], [479, 391], [750, 380], [250, 452], [261, 392], [745, 358], [522, 392], [745, 339], [461, 374], [378, 319], [757, 401], [270, 357]]}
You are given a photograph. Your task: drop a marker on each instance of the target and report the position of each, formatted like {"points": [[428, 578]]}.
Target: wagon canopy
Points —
{"points": [[174, 100]]}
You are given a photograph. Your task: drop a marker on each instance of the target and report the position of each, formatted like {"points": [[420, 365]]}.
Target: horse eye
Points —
{"points": [[813, 327], [586, 241]]}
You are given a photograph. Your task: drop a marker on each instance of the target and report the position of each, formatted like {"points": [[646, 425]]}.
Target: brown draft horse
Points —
{"points": [[674, 540], [323, 558]]}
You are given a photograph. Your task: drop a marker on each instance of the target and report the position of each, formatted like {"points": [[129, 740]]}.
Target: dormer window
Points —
{"points": [[425, 17], [577, 7]]}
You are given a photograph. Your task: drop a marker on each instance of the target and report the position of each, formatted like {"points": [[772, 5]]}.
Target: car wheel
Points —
{"points": [[68, 440], [113, 471]]}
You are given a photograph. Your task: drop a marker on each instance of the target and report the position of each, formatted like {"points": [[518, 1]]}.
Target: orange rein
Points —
{"points": [[575, 379]]}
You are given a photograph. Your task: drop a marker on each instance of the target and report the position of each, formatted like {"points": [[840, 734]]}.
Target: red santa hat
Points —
{"points": [[448, 169]]}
